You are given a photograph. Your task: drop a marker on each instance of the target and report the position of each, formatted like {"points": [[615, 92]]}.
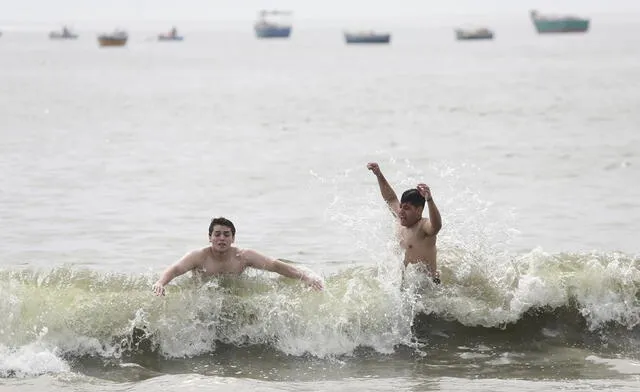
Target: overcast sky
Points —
{"points": [[159, 10]]}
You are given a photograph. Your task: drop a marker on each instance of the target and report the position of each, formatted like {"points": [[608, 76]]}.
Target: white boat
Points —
{"points": [[476, 33]]}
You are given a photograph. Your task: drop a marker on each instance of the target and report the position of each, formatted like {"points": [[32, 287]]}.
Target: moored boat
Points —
{"points": [[480, 33], [267, 27], [367, 37], [545, 24], [65, 33], [172, 35], [116, 38]]}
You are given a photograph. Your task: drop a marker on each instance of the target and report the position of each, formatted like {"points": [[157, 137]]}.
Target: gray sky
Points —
{"points": [[156, 10]]}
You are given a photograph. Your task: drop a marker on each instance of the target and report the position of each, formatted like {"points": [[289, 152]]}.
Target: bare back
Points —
{"points": [[418, 246]]}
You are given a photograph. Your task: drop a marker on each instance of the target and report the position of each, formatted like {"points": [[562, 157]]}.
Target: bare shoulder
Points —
{"points": [[239, 252], [193, 259], [255, 259], [247, 254], [198, 255], [202, 252]]}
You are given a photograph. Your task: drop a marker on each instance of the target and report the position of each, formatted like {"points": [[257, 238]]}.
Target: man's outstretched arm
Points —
{"points": [[256, 260], [387, 192], [186, 263]]}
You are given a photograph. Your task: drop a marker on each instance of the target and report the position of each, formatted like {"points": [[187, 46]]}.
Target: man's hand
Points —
{"points": [[424, 190], [374, 168], [158, 289], [313, 282]]}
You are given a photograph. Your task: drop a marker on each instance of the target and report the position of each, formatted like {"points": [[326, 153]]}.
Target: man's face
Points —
{"points": [[409, 214], [221, 238]]}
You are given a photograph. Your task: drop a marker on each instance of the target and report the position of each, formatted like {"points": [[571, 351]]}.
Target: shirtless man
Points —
{"points": [[417, 235], [220, 258]]}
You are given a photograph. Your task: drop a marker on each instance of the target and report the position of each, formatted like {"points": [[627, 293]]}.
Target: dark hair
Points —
{"points": [[222, 222], [413, 197]]}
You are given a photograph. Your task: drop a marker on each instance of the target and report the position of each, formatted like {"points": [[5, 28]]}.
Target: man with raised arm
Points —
{"points": [[417, 235]]}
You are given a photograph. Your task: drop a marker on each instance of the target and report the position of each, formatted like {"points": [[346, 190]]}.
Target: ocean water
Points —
{"points": [[113, 161]]}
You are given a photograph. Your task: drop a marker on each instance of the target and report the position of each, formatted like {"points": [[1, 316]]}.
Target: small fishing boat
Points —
{"points": [[545, 24], [116, 38], [170, 36], [272, 24], [65, 33], [479, 33], [367, 37]]}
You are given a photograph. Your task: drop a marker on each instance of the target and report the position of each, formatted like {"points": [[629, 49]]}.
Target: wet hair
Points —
{"points": [[222, 222], [413, 197]]}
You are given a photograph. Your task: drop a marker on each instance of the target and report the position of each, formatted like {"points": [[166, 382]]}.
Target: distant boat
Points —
{"points": [[367, 37], [481, 33], [65, 33], [558, 24], [265, 28], [170, 36], [117, 38], [163, 37]]}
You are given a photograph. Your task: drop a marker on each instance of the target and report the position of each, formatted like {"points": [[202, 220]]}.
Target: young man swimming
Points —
{"points": [[417, 235], [221, 258]]}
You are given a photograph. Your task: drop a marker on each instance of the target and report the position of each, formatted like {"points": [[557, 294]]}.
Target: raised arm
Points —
{"points": [[388, 194], [256, 260], [433, 225], [188, 262]]}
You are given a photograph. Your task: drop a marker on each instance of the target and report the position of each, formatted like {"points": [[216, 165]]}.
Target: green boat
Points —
{"points": [[558, 24]]}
